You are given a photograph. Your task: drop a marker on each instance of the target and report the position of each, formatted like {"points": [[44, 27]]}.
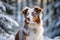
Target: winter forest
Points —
{"points": [[11, 18]]}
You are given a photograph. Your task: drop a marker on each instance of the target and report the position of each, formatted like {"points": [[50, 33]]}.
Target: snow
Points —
{"points": [[2, 6], [57, 4], [8, 28], [47, 38], [6, 37], [8, 24], [9, 19]]}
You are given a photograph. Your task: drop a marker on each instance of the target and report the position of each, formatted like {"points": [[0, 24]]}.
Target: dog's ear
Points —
{"points": [[24, 11], [38, 9]]}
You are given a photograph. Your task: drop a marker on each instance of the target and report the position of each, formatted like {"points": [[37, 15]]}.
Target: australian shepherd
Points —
{"points": [[33, 23]]}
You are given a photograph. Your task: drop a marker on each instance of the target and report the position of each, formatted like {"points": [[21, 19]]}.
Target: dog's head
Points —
{"points": [[32, 14]]}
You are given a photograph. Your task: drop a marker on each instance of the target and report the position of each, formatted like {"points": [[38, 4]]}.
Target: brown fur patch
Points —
{"points": [[17, 36], [36, 19], [38, 9], [24, 11]]}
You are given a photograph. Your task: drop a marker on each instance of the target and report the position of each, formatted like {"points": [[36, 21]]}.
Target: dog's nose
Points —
{"points": [[28, 19]]}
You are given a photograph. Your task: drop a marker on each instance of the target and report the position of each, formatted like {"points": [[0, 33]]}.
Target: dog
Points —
{"points": [[33, 23]]}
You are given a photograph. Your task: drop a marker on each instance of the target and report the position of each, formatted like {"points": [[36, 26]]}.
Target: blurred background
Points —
{"points": [[51, 14]]}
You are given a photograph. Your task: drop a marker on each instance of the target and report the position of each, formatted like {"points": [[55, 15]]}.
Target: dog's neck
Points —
{"points": [[35, 27], [32, 26]]}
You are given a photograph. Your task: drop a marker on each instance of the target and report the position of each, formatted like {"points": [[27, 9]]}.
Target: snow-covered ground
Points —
{"points": [[8, 24], [47, 38], [6, 37], [8, 28]]}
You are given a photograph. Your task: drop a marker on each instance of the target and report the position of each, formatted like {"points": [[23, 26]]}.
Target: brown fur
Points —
{"points": [[38, 9], [17, 36], [36, 19], [24, 36], [25, 12]]}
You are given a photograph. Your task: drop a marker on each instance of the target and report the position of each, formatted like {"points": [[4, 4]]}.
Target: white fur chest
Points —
{"points": [[38, 35]]}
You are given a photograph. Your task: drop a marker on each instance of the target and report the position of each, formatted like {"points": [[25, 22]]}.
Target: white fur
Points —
{"points": [[30, 14], [39, 32]]}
